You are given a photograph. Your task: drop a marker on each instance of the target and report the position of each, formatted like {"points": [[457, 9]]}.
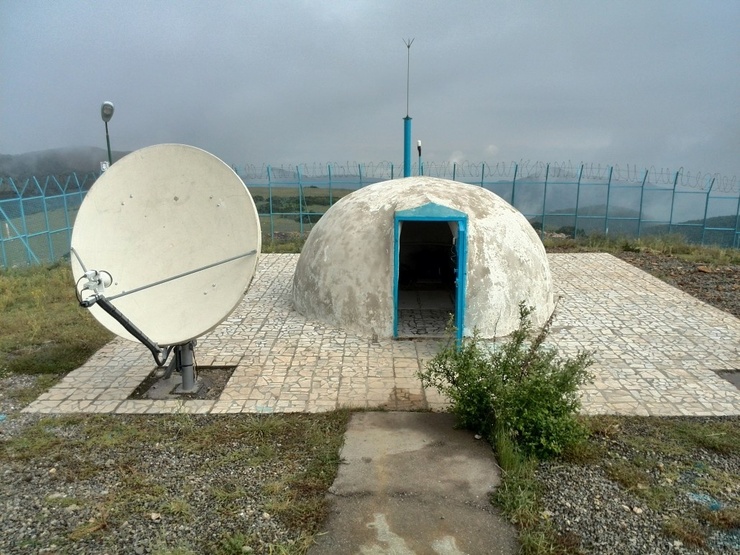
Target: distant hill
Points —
{"points": [[57, 161]]}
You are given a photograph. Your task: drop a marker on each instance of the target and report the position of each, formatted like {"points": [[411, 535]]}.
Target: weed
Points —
{"points": [[234, 544], [228, 492], [628, 475], [161, 548], [687, 530], [91, 526], [727, 518], [522, 387], [177, 507]]}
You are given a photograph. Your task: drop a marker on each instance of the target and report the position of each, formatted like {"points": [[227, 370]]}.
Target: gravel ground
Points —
{"points": [[159, 484], [590, 509], [593, 511], [203, 497]]}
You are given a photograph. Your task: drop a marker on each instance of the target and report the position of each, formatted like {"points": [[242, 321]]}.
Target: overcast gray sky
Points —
{"points": [[645, 83]]}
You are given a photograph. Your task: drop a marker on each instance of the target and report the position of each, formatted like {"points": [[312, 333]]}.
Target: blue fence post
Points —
{"points": [[391, 170], [300, 198], [46, 218], [454, 169], [331, 195], [269, 194], [608, 198], [48, 231], [482, 172], [513, 186], [22, 214], [2, 243], [578, 202], [706, 208], [544, 201], [736, 238], [3, 234], [67, 223], [359, 169], [642, 197], [673, 201]]}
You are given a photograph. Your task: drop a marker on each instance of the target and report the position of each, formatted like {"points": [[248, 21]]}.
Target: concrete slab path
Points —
{"points": [[411, 484], [657, 351]]}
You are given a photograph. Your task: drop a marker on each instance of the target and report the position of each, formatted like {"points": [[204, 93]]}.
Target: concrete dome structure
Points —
{"points": [[422, 248]]}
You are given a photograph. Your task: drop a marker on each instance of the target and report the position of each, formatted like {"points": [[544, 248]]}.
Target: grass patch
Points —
{"points": [[518, 497], [674, 245], [685, 529], [666, 462], [45, 331], [289, 243], [294, 457], [26, 395]]}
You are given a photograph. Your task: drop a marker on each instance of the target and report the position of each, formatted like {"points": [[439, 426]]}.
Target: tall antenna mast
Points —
{"points": [[408, 43], [407, 119]]}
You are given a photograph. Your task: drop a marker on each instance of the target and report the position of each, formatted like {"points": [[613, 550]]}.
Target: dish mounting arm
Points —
{"points": [[97, 281]]}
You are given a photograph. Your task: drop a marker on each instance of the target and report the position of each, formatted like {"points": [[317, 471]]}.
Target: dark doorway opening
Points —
{"points": [[427, 266]]}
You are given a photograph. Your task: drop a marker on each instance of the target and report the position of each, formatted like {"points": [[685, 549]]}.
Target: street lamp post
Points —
{"points": [[106, 112]]}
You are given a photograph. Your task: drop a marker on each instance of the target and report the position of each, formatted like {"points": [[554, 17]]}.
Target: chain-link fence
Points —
{"points": [[37, 215]]}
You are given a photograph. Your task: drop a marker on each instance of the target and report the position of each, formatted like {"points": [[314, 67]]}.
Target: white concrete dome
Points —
{"points": [[393, 246]]}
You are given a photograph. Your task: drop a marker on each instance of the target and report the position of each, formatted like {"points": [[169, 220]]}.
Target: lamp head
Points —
{"points": [[106, 111]]}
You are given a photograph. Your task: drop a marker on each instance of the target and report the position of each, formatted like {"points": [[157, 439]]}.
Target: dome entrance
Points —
{"points": [[429, 256]]}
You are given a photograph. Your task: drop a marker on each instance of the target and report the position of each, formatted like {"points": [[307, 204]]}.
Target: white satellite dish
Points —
{"points": [[169, 237]]}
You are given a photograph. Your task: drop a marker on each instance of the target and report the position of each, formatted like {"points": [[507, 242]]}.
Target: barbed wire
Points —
{"points": [[460, 170], [523, 170]]}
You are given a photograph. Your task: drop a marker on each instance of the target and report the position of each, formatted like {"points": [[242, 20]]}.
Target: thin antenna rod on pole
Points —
{"points": [[408, 44]]}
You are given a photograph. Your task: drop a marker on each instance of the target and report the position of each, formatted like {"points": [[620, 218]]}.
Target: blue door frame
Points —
{"points": [[432, 212]]}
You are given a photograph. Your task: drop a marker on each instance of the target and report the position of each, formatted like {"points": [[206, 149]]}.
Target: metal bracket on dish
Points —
{"points": [[97, 282]]}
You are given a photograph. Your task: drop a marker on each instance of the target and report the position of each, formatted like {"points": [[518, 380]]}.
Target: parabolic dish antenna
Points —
{"points": [[169, 235]]}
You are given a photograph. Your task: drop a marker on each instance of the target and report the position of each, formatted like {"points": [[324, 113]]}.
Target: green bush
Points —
{"points": [[520, 386]]}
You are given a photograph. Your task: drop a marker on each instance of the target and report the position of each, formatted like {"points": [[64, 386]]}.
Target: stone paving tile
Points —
{"points": [[656, 352]]}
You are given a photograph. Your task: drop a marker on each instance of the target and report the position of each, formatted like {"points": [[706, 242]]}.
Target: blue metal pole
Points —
{"points": [[454, 168], [513, 186], [407, 146], [482, 172]]}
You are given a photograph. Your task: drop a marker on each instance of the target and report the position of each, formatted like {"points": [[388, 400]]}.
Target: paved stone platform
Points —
{"points": [[656, 349]]}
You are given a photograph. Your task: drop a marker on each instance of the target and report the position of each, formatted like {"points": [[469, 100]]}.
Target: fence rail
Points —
{"points": [[37, 214]]}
